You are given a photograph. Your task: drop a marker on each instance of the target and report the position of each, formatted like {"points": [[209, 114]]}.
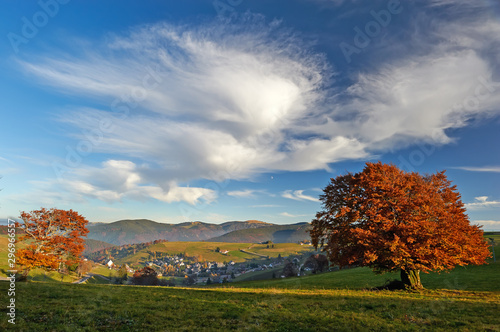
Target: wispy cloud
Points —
{"points": [[237, 99], [298, 196], [266, 206], [488, 224], [417, 96], [458, 4], [482, 202], [226, 99], [493, 169], [246, 193], [286, 214], [113, 181]]}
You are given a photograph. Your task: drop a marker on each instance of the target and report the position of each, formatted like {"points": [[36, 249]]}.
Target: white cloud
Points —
{"points": [[492, 169], [482, 202], [229, 101], [289, 215], [488, 224], [298, 196], [190, 195], [482, 199], [417, 99], [459, 4], [224, 101], [117, 180], [418, 96], [246, 193]]}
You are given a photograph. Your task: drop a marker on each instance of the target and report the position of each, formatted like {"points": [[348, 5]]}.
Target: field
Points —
{"points": [[68, 307], [466, 299]]}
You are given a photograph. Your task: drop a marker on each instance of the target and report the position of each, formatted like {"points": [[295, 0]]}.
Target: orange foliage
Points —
{"points": [[390, 220], [55, 237]]}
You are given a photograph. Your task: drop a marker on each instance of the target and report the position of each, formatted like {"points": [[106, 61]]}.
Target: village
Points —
{"points": [[203, 272], [196, 270]]}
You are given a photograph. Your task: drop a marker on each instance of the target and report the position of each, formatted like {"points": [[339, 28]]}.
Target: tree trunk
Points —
{"points": [[411, 279]]}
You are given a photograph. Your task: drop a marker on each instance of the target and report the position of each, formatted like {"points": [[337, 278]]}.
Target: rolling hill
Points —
{"points": [[276, 233], [95, 245], [144, 230]]}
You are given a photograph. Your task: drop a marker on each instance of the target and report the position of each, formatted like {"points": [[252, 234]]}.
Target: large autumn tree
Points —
{"points": [[54, 238], [391, 220]]}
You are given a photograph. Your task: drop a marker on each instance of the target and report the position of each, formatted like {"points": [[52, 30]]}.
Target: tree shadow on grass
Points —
{"points": [[391, 284]]}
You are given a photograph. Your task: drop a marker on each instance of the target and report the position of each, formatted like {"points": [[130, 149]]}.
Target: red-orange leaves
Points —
{"points": [[55, 237], [389, 219]]}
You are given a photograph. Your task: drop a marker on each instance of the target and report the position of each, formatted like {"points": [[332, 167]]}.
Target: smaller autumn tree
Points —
{"points": [[84, 267], [393, 220], [54, 239], [189, 280], [290, 270], [145, 276], [317, 263]]}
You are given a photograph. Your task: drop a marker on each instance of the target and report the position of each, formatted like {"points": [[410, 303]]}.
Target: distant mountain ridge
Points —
{"points": [[144, 230]]}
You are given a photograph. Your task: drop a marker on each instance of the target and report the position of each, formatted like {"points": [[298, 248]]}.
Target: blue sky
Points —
{"points": [[237, 109]]}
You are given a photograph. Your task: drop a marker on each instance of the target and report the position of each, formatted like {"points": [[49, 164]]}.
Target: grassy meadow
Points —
{"points": [[465, 299], [469, 278], [90, 307]]}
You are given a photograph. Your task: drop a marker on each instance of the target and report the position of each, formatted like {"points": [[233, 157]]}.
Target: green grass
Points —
{"points": [[466, 299], [67, 307], [50, 276], [103, 270], [98, 279], [260, 275], [4, 252], [474, 278], [337, 301]]}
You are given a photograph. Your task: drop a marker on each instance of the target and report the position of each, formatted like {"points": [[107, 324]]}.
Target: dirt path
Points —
{"points": [[88, 276]]}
